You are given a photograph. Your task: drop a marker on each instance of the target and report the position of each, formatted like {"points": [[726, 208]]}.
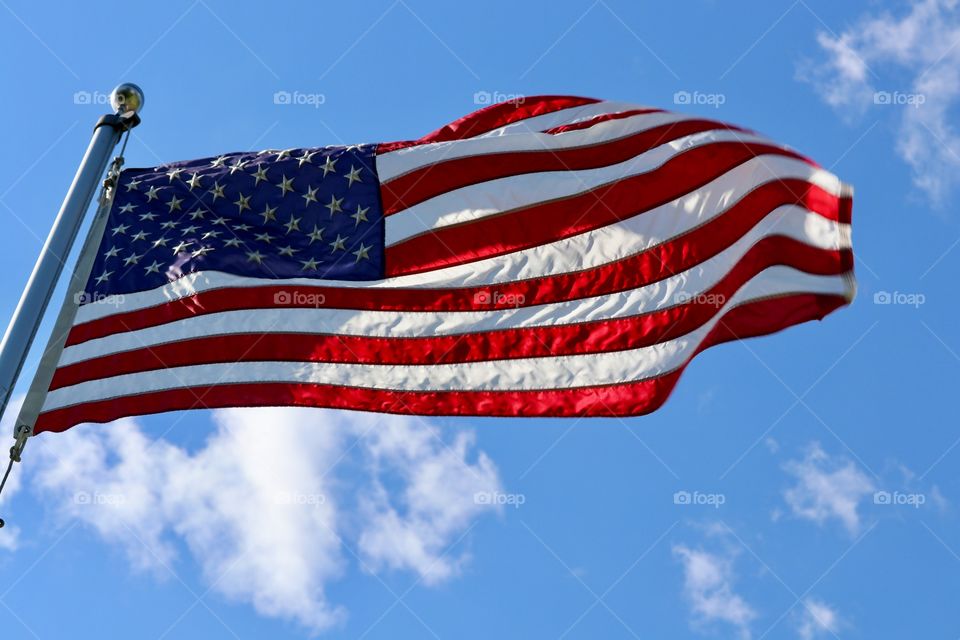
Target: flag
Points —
{"points": [[550, 256]]}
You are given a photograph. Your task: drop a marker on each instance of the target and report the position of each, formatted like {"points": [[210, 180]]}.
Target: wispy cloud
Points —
{"points": [[918, 55], [708, 585], [817, 619], [827, 487], [268, 503]]}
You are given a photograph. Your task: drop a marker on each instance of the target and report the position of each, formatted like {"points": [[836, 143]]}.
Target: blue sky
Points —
{"points": [[289, 524]]}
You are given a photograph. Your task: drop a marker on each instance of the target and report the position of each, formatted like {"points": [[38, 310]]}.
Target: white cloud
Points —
{"points": [[827, 487], [10, 534], [267, 503], [708, 586], [919, 55], [817, 619]]}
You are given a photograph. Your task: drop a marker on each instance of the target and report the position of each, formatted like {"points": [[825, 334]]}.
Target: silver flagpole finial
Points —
{"points": [[127, 98]]}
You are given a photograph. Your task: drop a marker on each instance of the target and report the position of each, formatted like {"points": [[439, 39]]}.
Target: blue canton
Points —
{"points": [[296, 213]]}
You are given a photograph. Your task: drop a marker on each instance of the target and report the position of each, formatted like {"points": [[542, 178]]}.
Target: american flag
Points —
{"points": [[550, 256]]}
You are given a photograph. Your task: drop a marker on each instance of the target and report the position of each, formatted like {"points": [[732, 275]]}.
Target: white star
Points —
{"points": [[338, 244], [243, 202], [219, 162], [242, 227], [181, 247], [219, 220], [285, 153], [334, 205], [216, 190], [285, 185], [194, 181], [169, 224], [293, 224], [131, 259], [152, 194], [237, 166], [127, 208], [261, 174], [122, 228], [173, 173], [174, 204], [113, 252], [196, 214], [309, 265], [287, 251], [363, 253], [264, 237], [310, 196], [153, 268], [316, 234], [132, 185], [140, 235], [201, 251], [255, 256], [360, 215], [188, 230], [232, 242], [353, 176], [305, 158], [148, 216], [210, 234], [103, 277], [268, 213], [329, 165], [160, 242]]}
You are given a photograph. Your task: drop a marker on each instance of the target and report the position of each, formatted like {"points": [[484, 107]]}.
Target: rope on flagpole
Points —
{"points": [[107, 190]]}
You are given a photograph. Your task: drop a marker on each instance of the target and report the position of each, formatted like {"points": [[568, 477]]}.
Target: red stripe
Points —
{"points": [[435, 179], [758, 318], [490, 118], [638, 270], [557, 219], [584, 337], [604, 117]]}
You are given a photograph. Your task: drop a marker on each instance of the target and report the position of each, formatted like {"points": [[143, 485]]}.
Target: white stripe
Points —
{"points": [[788, 221], [558, 372], [583, 251], [562, 117], [494, 197], [402, 161]]}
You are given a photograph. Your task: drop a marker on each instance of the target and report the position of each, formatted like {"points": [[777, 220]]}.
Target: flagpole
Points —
{"points": [[127, 100]]}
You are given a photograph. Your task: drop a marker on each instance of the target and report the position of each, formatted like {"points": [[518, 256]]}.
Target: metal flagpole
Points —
{"points": [[127, 100]]}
